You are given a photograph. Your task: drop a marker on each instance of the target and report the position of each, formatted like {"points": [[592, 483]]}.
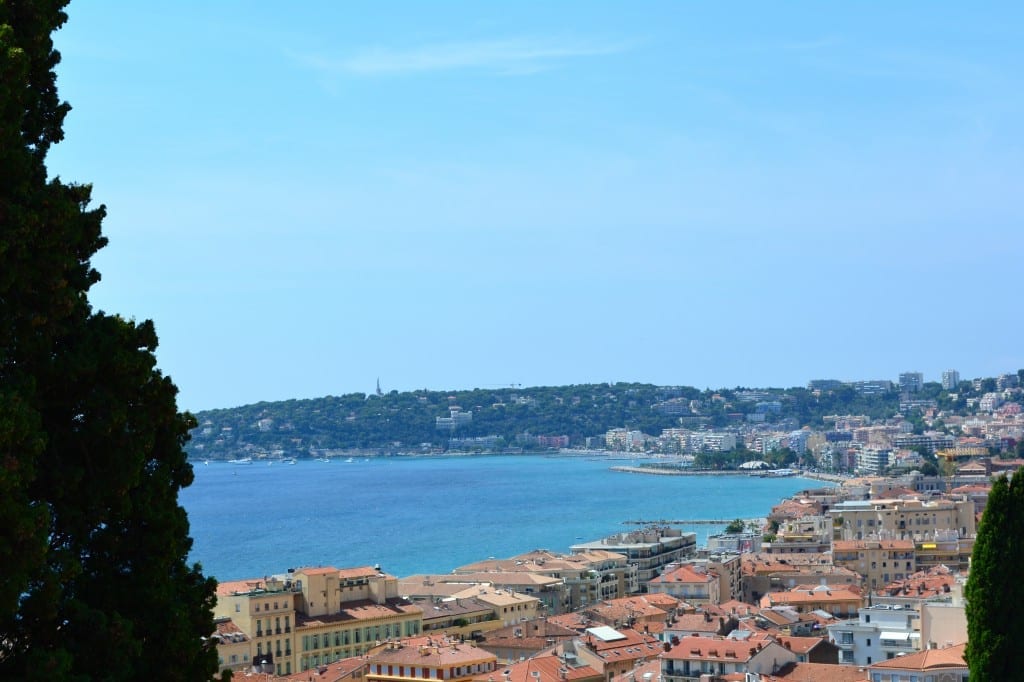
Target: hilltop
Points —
{"points": [[528, 418]]}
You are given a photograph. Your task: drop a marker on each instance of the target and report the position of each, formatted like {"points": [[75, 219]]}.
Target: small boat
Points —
{"points": [[241, 460], [349, 460], [289, 460]]}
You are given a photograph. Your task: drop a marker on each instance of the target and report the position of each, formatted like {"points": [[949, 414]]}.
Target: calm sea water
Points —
{"points": [[429, 515]]}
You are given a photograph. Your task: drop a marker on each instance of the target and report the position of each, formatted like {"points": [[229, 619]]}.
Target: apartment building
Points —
{"points": [[728, 566], [764, 573], [649, 549], [837, 601], [695, 657], [692, 583], [615, 651], [812, 533], [644, 613], [879, 633], [587, 576], [916, 520], [314, 616], [930, 664], [549, 591], [259, 614], [429, 658], [879, 562]]}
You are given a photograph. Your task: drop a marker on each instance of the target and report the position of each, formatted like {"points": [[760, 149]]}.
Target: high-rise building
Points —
{"points": [[950, 379], [911, 382]]}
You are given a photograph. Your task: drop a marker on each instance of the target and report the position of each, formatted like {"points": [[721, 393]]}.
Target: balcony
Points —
{"points": [[899, 642]]}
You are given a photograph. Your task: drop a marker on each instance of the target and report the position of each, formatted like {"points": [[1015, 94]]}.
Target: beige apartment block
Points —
{"points": [[551, 592], [807, 598], [894, 519], [508, 607], [311, 617], [588, 576], [879, 562]]}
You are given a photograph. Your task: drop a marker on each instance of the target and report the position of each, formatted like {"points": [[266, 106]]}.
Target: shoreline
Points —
{"points": [[654, 471]]}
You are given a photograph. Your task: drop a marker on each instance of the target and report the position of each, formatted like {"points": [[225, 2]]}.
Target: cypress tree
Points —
{"points": [[994, 592], [93, 543]]}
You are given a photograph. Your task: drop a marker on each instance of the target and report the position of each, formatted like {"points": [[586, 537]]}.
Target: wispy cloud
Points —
{"points": [[518, 56]]}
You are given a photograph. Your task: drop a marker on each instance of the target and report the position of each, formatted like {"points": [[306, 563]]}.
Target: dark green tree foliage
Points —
{"points": [[735, 526], [994, 592], [93, 543]]}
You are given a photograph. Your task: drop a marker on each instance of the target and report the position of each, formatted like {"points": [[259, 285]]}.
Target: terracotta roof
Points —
{"points": [[319, 570], [573, 621], [230, 587], [438, 653], [922, 585], [815, 672], [361, 610], [799, 645], [821, 593], [361, 572], [228, 630], [696, 622], [929, 659], [700, 648], [547, 667], [345, 669], [685, 574], [971, 488]]}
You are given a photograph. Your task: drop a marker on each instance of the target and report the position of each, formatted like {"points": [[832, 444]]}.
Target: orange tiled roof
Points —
{"points": [[701, 648], [319, 570], [929, 659], [685, 574], [439, 653], [922, 585], [696, 622], [815, 672]]}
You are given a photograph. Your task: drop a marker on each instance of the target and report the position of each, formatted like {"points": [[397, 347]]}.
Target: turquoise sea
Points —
{"points": [[431, 514]]}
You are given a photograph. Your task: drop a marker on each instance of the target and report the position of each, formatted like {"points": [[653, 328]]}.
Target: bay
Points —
{"points": [[431, 514]]}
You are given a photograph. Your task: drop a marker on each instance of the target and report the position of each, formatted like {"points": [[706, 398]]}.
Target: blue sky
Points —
{"points": [[462, 194]]}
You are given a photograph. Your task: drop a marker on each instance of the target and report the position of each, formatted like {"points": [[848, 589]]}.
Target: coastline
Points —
{"points": [[654, 471]]}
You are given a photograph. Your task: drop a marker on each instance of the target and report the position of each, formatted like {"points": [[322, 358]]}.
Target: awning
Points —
{"points": [[901, 636]]}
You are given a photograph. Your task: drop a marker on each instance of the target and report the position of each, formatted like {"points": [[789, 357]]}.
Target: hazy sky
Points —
{"points": [[448, 195]]}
